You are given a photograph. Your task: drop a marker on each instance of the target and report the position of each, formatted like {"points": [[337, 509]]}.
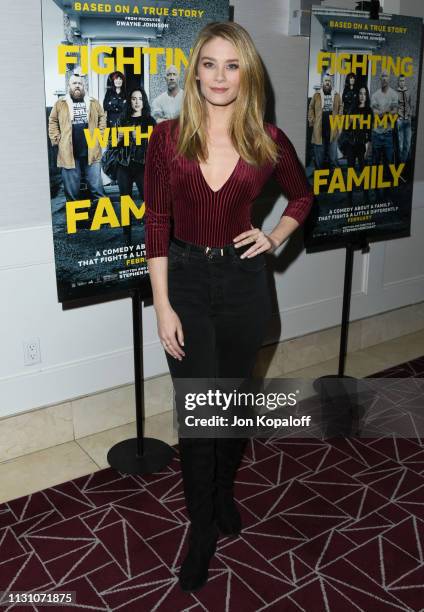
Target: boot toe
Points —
{"points": [[194, 570], [190, 583]]}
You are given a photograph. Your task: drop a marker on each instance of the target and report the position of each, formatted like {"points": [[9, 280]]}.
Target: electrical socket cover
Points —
{"points": [[32, 354]]}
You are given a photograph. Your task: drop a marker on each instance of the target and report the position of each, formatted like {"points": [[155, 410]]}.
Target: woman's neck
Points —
{"points": [[118, 90], [219, 117]]}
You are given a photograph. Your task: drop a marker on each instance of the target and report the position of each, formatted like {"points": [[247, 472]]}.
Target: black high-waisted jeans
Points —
{"points": [[223, 303], [224, 306]]}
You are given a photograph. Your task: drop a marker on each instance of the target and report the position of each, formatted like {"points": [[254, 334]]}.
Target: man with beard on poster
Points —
{"points": [[69, 117], [324, 103]]}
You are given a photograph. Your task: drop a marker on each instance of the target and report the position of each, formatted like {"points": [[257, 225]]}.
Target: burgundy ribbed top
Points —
{"points": [[177, 189]]}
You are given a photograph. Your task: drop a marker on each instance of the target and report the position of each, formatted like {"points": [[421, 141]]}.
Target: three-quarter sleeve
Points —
{"points": [[157, 193], [291, 177]]}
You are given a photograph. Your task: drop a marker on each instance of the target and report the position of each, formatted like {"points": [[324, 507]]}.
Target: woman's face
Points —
{"points": [[136, 102], [362, 96], [218, 72], [352, 81], [117, 81]]}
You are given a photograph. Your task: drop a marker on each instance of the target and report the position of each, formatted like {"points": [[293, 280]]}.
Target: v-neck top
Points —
{"points": [[175, 191]]}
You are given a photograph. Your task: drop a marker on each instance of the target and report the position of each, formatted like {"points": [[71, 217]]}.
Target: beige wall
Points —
{"points": [[286, 59]]}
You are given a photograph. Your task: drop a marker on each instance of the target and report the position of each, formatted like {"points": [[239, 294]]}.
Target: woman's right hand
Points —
{"points": [[170, 331]]}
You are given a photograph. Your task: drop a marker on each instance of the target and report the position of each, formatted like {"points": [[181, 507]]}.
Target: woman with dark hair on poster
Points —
{"points": [[349, 100], [358, 140], [114, 99], [210, 289], [131, 158]]}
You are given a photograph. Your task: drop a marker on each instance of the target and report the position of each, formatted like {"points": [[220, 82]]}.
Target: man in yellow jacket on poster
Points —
{"points": [[324, 103], [69, 117]]}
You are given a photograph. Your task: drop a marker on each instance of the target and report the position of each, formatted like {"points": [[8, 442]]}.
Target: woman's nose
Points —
{"points": [[220, 73]]}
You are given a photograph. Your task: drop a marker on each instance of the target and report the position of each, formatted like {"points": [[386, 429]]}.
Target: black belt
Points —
{"points": [[227, 249]]}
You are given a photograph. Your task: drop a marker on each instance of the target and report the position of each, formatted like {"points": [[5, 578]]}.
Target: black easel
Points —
{"points": [[347, 294], [340, 409], [139, 455], [374, 8]]}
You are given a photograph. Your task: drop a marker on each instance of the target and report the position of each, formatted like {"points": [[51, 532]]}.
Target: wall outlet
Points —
{"points": [[32, 354]]}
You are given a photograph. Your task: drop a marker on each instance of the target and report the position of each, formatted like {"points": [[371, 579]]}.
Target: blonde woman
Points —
{"points": [[210, 292]]}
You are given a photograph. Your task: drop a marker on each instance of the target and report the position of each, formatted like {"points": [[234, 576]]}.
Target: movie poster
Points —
{"points": [[364, 84], [112, 70]]}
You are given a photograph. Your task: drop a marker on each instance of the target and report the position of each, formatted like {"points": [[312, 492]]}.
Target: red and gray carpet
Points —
{"points": [[328, 526]]}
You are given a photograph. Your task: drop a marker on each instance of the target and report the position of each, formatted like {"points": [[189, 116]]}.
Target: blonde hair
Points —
{"points": [[246, 127]]}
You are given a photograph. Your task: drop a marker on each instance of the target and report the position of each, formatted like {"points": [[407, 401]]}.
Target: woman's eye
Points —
{"points": [[207, 64], [233, 66]]}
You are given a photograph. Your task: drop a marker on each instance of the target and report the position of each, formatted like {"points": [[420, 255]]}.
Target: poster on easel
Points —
{"points": [[362, 118], [112, 71]]}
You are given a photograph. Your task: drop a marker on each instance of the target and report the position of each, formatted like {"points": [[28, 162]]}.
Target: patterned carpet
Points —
{"points": [[328, 526]]}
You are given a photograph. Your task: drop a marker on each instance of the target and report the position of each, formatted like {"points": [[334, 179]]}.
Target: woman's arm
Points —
{"points": [[158, 270], [290, 175], [169, 325], [280, 233], [157, 195]]}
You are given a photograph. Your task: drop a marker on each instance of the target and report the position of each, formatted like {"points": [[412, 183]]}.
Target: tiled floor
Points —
{"points": [[57, 464]]}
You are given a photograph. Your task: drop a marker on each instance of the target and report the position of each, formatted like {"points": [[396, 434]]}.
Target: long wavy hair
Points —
{"points": [[126, 115], [247, 131], [367, 98]]}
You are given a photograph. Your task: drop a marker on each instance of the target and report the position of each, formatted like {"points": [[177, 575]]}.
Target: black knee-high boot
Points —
{"points": [[229, 452], [197, 458]]}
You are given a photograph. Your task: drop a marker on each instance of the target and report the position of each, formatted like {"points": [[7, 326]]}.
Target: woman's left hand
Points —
{"points": [[262, 243]]}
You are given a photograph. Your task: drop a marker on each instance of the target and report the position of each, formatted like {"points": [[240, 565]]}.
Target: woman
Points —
{"points": [[114, 99], [359, 139], [350, 94], [361, 136], [209, 286], [132, 156], [350, 100]]}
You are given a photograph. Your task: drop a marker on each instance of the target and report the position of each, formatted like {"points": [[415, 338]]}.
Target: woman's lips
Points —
{"points": [[219, 89]]}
